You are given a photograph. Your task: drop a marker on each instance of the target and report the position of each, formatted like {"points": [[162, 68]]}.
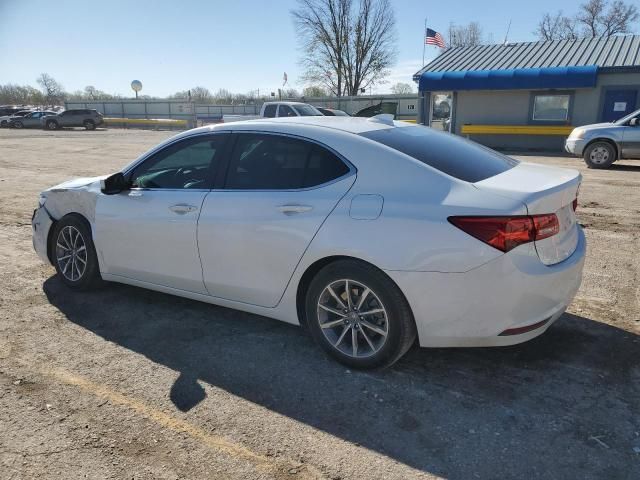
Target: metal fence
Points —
{"points": [[191, 114]]}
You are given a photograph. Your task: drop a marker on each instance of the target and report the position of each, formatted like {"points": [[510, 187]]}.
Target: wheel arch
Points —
{"points": [[313, 269], [53, 227], [610, 141]]}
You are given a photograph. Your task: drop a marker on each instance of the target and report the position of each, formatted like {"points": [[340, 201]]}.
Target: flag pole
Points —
{"points": [[424, 39]]}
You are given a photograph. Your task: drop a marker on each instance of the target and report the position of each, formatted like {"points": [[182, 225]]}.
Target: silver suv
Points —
{"points": [[601, 144], [86, 118]]}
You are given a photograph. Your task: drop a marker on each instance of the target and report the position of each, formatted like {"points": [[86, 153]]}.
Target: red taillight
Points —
{"points": [[506, 233], [575, 204]]}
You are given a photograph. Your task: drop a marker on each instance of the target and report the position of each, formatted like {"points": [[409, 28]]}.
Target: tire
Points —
{"points": [[71, 245], [3, 124], [89, 125], [599, 155], [17, 125], [382, 337], [52, 125]]}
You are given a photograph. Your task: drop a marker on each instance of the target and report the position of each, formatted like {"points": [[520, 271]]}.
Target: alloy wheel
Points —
{"points": [[71, 253], [599, 155], [352, 318]]}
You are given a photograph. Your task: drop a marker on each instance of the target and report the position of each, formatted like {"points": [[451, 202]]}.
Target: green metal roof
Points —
{"points": [[614, 53]]}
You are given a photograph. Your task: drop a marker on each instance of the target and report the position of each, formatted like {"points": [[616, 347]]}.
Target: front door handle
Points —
{"points": [[293, 209], [182, 208]]}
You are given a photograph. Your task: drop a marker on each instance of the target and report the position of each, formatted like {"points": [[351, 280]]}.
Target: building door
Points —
{"points": [[618, 103], [441, 111]]}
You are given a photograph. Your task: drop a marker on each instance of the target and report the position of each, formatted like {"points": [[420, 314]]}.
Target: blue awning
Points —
{"points": [[510, 79]]}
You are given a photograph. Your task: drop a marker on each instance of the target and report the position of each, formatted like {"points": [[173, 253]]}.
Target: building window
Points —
{"points": [[551, 108]]}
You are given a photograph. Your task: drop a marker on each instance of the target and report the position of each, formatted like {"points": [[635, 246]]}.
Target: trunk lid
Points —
{"points": [[543, 190]]}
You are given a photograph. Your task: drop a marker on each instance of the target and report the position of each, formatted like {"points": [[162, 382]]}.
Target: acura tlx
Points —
{"points": [[369, 232]]}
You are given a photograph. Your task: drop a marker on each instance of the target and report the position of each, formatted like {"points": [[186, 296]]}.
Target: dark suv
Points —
{"points": [[88, 119]]}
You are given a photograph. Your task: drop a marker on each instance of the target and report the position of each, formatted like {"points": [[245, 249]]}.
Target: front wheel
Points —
{"points": [[52, 125], [599, 155], [358, 315], [89, 125], [74, 255], [4, 124], [17, 125]]}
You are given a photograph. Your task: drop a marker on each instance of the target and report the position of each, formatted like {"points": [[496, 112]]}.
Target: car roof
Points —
{"points": [[285, 103], [346, 124]]}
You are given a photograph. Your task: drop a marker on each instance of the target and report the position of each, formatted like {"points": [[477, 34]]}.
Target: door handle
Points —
{"points": [[293, 209], [182, 208]]}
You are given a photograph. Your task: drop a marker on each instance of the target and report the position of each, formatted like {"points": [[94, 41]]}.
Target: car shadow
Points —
{"points": [[565, 405]]}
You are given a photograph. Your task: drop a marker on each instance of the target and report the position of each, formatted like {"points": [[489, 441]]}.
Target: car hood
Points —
{"points": [[84, 183], [597, 126]]}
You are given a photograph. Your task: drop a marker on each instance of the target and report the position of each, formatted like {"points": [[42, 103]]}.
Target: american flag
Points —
{"points": [[434, 38]]}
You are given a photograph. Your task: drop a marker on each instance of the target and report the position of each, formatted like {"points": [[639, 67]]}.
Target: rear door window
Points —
{"points": [[275, 162], [270, 111], [452, 155]]}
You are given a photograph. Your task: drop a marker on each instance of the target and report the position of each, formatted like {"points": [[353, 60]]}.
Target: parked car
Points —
{"points": [[31, 119], [5, 120], [277, 109], [89, 119], [390, 108], [332, 112], [601, 144], [327, 222]]}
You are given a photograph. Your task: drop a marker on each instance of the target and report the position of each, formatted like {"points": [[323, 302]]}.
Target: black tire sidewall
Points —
{"points": [[399, 317], [17, 125], [89, 125], [590, 148], [91, 275], [52, 125]]}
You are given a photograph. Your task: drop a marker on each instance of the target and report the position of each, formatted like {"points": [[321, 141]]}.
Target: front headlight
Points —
{"points": [[577, 134], [42, 199]]}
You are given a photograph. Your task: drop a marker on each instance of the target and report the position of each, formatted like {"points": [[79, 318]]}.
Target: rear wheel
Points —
{"points": [[52, 125], [89, 125], [3, 123], [358, 315], [74, 255], [600, 155]]}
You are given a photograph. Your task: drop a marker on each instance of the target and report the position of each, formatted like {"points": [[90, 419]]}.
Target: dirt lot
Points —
{"points": [[127, 383]]}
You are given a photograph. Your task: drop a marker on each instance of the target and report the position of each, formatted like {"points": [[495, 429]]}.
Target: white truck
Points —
{"points": [[278, 109]]}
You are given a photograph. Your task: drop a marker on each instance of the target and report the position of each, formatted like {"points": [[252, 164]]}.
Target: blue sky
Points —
{"points": [[239, 45]]}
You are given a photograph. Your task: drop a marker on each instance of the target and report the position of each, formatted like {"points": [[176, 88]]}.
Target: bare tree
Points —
{"points": [[596, 18], [401, 88], [465, 35], [347, 45], [557, 27], [315, 91], [52, 90]]}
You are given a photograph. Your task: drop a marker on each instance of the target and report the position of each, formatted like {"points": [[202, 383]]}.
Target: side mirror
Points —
{"points": [[113, 184], [634, 122]]}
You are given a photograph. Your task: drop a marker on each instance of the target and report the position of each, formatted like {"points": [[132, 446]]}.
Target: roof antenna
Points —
{"points": [[506, 35]]}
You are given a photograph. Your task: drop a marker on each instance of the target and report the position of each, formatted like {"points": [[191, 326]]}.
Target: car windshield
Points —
{"points": [[624, 120], [455, 156], [306, 110]]}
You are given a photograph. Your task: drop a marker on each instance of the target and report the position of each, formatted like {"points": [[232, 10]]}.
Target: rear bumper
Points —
{"points": [[472, 309], [40, 225], [575, 147]]}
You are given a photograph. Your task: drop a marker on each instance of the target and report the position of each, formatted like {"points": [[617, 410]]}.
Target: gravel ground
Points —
{"points": [[127, 383]]}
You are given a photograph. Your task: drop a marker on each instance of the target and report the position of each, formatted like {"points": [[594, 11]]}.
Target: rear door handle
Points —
{"points": [[182, 208], [293, 209]]}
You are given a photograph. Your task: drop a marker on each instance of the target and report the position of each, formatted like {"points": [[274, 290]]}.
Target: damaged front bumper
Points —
{"points": [[41, 223]]}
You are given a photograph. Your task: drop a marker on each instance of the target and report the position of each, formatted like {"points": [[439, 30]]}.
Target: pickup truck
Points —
{"points": [[278, 109]]}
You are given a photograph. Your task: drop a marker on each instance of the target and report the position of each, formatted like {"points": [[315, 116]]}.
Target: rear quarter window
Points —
{"points": [[447, 153]]}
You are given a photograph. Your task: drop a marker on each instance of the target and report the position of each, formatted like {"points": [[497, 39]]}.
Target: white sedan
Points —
{"points": [[368, 231]]}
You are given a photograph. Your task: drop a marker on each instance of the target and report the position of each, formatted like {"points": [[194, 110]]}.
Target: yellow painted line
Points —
{"points": [[145, 121], [214, 442], [562, 130], [409, 121]]}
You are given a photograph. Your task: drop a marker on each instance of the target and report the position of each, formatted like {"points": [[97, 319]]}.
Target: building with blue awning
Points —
{"points": [[530, 95]]}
